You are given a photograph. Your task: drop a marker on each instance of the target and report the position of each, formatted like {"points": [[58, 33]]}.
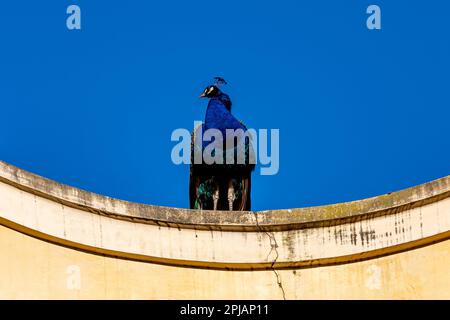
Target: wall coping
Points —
{"points": [[269, 220]]}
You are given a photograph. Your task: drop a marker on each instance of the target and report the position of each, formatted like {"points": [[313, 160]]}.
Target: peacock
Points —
{"points": [[226, 185]]}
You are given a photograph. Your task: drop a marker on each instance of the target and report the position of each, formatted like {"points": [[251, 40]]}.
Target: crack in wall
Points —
{"points": [[273, 247]]}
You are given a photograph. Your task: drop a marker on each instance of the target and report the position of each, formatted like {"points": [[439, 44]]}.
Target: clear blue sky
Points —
{"points": [[360, 112]]}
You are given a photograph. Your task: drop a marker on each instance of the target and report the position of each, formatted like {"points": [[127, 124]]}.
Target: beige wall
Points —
{"points": [[61, 242], [34, 269]]}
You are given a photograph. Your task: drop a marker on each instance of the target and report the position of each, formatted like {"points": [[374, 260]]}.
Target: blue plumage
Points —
{"points": [[219, 117], [220, 184]]}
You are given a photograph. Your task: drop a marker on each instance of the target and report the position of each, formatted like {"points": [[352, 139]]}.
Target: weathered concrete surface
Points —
{"points": [[61, 242]]}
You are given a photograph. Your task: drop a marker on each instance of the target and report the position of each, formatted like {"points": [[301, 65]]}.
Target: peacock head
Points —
{"points": [[213, 90], [210, 92]]}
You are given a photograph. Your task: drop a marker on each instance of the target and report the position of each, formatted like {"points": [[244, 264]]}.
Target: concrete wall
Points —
{"points": [[61, 242]]}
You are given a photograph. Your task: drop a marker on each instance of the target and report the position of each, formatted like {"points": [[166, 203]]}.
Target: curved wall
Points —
{"points": [[62, 242]]}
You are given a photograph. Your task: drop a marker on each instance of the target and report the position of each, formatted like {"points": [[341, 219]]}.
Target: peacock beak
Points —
{"points": [[202, 95]]}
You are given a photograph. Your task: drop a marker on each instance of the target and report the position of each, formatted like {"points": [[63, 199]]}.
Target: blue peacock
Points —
{"points": [[225, 185]]}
